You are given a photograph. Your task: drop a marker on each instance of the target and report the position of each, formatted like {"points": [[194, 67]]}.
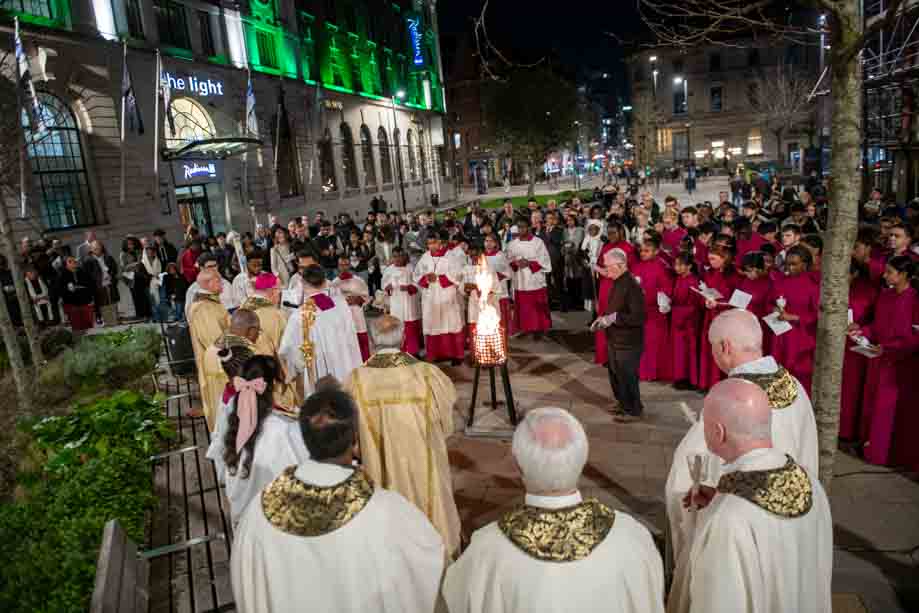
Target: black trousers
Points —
{"points": [[623, 378]]}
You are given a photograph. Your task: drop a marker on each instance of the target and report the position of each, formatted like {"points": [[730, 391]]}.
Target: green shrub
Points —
{"points": [[113, 358]]}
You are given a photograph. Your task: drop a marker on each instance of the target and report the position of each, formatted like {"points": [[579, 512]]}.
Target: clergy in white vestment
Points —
{"points": [[764, 540], [557, 552], [208, 261], [292, 298], [404, 299], [323, 537], [529, 261], [319, 339], [243, 283], [439, 275], [356, 294], [736, 339], [260, 441]]}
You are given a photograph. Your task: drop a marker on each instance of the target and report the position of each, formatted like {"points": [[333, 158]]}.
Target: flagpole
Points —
{"points": [[125, 61], [246, 127], [156, 128]]}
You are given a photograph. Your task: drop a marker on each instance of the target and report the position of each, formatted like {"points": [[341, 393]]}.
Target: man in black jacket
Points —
{"points": [[624, 323]]}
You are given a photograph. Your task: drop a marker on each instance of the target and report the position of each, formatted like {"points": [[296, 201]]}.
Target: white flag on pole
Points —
{"points": [[251, 120]]}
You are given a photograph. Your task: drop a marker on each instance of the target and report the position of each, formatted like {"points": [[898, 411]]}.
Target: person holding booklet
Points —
{"points": [[685, 323], [655, 279], [718, 283]]}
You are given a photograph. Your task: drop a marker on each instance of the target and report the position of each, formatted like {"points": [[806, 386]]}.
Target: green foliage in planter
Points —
{"points": [[114, 358], [96, 468]]}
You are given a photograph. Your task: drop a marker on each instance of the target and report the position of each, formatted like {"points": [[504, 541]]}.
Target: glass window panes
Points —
{"points": [[715, 98], [397, 147], [385, 157], [135, 22], [287, 166], [412, 160], [422, 158], [207, 37], [38, 8], [191, 122], [370, 173], [755, 142], [327, 164], [170, 21], [58, 168], [267, 54], [347, 156]]}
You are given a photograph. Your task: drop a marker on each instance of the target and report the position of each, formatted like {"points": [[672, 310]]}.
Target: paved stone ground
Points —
{"points": [[874, 510]]}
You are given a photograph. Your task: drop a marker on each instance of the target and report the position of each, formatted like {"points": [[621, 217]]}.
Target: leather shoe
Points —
{"points": [[627, 418]]}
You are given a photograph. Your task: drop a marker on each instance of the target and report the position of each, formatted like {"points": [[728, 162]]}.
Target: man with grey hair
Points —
{"points": [[736, 339], [765, 541], [406, 415], [557, 552]]}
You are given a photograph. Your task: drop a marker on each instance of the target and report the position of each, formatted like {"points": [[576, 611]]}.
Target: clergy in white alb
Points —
{"points": [[529, 261], [244, 283], [356, 294], [226, 295], [207, 321], [478, 270], [497, 261], [439, 276], [406, 415], [319, 339], [404, 299], [323, 537], [764, 540], [736, 341], [558, 553]]}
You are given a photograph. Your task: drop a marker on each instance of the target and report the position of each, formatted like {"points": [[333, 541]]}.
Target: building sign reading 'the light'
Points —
{"points": [[201, 86], [415, 35]]}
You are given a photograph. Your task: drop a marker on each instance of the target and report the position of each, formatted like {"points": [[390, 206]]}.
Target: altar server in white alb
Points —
{"points": [[323, 537], [244, 282], [529, 260], [736, 339], [558, 553], [404, 299], [764, 543], [440, 276], [356, 294], [497, 261], [322, 329], [478, 269]]}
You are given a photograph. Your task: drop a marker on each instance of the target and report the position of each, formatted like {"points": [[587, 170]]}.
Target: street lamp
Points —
{"points": [[400, 94], [677, 81]]}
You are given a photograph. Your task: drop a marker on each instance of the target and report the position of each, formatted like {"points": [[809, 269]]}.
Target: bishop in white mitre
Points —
{"points": [[764, 540], [529, 261], [322, 326], [356, 294], [736, 339], [439, 276], [323, 537], [404, 299], [558, 552]]}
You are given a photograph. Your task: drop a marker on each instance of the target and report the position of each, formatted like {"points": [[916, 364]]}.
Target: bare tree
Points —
{"points": [[732, 23], [781, 97]]}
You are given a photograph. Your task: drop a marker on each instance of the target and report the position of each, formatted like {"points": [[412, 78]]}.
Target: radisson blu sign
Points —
{"points": [[192, 172], [415, 35]]}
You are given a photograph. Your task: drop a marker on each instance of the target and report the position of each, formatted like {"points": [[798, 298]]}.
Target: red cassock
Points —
{"points": [[862, 295], [685, 323], [747, 245], [760, 306], [700, 253], [795, 349], [654, 277], [670, 240], [603, 286], [889, 421], [726, 283]]}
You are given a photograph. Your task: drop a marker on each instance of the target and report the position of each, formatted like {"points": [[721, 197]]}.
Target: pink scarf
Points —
{"points": [[247, 408]]}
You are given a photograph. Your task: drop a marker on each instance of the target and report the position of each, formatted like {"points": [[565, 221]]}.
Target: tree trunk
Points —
{"points": [[531, 188], [840, 236], [21, 375]]}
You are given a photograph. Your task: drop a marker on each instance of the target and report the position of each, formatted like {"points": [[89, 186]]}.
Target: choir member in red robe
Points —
{"points": [[865, 253], [888, 421], [722, 277], [685, 323], [654, 277], [671, 234], [863, 293], [615, 235], [814, 244], [754, 280], [901, 241], [703, 243], [800, 294], [747, 239]]}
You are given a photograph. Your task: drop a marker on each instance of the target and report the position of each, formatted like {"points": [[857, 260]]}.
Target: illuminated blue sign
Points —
{"points": [[198, 85], [190, 172], [194, 170], [414, 32]]}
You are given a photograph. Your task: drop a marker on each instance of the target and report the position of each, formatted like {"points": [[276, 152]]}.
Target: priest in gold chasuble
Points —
{"points": [[406, 416], [207, 321]]}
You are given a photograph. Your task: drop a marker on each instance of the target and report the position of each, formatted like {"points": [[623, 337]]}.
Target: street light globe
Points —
{"points": [[400, 94], [677, 80]]}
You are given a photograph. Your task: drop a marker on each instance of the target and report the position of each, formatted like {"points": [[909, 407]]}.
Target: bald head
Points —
{"points": [[550, 448], [386, 332], [245, 323], [736, 338], [209, 280], [737, 418]]}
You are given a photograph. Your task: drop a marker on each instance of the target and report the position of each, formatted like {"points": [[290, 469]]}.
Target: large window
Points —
{"points": [[349, 168], [170, 21], [267, 54], [135, 21], [422, 157], [755, 142], [680, 103], [664, 140], [287, 166], [370, 172], [191, 123], [397, 147], [38, 8], [680, 145], [207, 37], [58, 168], [715, 98], [327, 164], [412, 158], [385, 157]]}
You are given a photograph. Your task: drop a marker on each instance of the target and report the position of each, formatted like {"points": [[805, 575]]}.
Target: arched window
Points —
{"points": [[58, 168], [400, 160], [190, 122], [347, 156], [422, 157], [287, 166], [370, 172], [327, 164], [385, 157], [412, 158]]}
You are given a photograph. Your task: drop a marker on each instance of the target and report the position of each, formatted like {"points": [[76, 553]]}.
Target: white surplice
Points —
{"points": [[336, 351], [402, 304], [354, 286], [623, 573], [279, 445], [387, 559], [227, 296], [794, 431], [441, 307], [295, 291], [745, 559], [498, 263], [242, 288], [472, 303], [533, 250]]}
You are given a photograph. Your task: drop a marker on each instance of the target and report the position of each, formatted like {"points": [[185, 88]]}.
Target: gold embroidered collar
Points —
{"points": [[558, 535], [390, 360], [207, 297], [785, 491], [301, 509], [779, 386], [231, 341], [254, 303]]}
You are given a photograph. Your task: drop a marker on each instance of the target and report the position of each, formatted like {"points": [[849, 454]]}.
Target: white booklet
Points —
{"points": [[775, 324], [740, 299], [289, 296], [869, 351], [709, 293], [663, 300]]}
